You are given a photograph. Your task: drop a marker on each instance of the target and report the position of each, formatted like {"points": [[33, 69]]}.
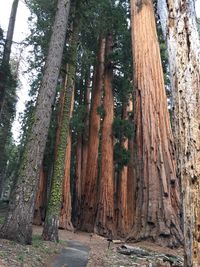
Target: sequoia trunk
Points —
{"points": [[157, 205], [105, 221], [39, 211], [90, 186], [66, 208], [178, 20], [126, 186]]}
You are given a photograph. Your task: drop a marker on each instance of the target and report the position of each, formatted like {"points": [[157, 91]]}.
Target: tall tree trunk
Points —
{"points": [[50, 231], [126, 188], [105, 221], [66, 209], [85, 133], [89, 195], [157, 205], [6, 53], [18, 223], [178, 21], [39, 210], [81, 155], [78, 176]]}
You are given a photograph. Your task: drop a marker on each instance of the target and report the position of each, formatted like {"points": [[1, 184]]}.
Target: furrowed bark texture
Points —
{"points": [[89, 195], [7, 52], [50, 231], [157, 205], [105, 220], [178, 21], [18, 223]]}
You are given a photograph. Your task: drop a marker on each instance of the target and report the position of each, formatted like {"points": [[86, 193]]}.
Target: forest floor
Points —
{"points": [[101, 252], [45, 254]]}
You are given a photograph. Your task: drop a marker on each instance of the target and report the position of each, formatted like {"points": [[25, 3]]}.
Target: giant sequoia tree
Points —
{"points": [[157, 201], [18, 223], [179, 25]]}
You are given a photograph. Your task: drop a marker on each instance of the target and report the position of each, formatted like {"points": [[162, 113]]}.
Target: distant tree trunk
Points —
{"points": [[66, 209], [178, 20], [157, 205], [131, 188], [105, 221], [85, 133], [18, 223], [50, 231], [89, 195], [78, 176], [81, 155], [126, 188], [6, 53], [39, 210]]}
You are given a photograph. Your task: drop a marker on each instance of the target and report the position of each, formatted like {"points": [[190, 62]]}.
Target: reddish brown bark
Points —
{"points": [[85, 134], [39, 212], [157, 205], [89, 195], [81, 156], [78, 178], [66, 208], [126, 186], [105, 221]]}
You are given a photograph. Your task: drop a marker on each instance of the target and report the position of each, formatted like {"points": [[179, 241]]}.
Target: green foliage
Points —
{"points": [[77, 121], [101, 111], [122, 129], [121, 156]]}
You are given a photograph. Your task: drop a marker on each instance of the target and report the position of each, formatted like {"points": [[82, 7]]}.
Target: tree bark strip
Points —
{"points": [[178, 20]]}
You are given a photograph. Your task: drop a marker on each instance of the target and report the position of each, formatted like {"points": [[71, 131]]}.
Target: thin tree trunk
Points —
{"points": [[105, 220], [18, 223], [178, 21], [78, 176], [66, 209], [89, 195], [39, 210], [50, 231], [85, 134], [126, 189], [157, 205], [6, 54]]}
